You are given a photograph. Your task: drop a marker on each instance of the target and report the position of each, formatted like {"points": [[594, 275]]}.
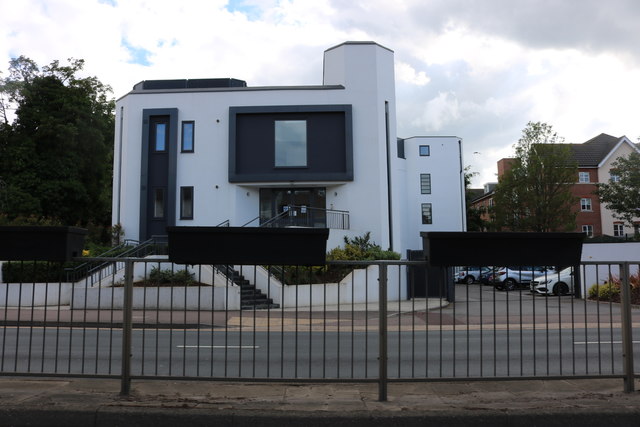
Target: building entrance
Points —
{"points": [[304, 207]]}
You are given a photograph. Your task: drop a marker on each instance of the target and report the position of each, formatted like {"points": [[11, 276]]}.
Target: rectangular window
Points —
{"points": [[424, 150], [158, 203], [426, 213], [614, 178], [160, 143], [585, 205], [187, 136], [291, 143], [583, 177], [588, 229], [425, 183], [400, 148], [618, 230], [186, 202]]}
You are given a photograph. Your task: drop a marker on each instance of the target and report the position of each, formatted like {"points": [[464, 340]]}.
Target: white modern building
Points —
{"points": [[207, 151]]}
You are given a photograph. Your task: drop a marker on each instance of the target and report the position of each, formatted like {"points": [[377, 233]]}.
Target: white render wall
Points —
{"points": [[366, 73], [604, 173], [447, 187]]}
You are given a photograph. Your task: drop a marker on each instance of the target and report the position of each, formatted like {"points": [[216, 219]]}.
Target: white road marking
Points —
{"points": [[602, 342], [220, 346]]}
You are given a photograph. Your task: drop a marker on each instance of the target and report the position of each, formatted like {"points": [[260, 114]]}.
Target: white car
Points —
{"points": [[557, 283]]}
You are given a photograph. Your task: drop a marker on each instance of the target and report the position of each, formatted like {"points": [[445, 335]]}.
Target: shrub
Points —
{"points": [[608, 291], [359, 248], [158, 277]]}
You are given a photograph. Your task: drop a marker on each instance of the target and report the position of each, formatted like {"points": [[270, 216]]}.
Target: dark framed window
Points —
{"points": [[425, 183], [188, 134], [158, 203], [160, 140], [427, 214], [425, 150], [290, 143], [186, 202]]}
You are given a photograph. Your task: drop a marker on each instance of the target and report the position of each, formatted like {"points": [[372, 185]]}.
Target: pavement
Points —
{"points": [[86, 402]]}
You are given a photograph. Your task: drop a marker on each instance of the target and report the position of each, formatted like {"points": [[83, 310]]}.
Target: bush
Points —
{"points": [[360, 248], [34, 272], [158, 277], [605, 292]]}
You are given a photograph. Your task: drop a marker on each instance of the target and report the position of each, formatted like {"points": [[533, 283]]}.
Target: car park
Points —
{"points": [[512, 277], [557, 283], [471, 275]]}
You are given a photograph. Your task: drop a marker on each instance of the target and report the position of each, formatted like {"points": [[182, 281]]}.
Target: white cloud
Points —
{"points": [[478, 70]]}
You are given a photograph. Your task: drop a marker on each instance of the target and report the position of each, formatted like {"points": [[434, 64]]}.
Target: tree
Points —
{"points": [[475, 222], [55, 156], [535, 193], [622, 195]]}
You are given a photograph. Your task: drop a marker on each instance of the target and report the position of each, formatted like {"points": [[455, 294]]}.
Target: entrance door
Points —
{"points": [[305, 206], [157, 176]]}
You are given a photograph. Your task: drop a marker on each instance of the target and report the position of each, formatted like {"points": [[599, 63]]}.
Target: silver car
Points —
{"points": [[509, 278]]}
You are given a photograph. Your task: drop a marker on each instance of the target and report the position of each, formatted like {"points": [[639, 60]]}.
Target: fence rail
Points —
{"points": [[347, 321]]}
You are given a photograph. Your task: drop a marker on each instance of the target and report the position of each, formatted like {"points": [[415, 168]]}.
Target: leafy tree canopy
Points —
{"points": [[622, 195], [56, 149], [534, 194]]}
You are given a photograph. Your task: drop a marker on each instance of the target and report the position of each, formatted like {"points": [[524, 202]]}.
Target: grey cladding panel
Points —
{"points": [[252, 145]]}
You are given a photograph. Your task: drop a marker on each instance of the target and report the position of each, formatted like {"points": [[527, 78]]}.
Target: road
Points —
{"points": [[485, 333]]}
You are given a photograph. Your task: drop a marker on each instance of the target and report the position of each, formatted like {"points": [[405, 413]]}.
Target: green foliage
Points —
{"points": [[34, 272], [535, 193], [360, 248], [56, 156], [623, 196], [158, 277], [605, 292], [610, 290]]}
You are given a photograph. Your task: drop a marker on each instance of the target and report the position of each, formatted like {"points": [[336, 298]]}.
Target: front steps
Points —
{"points": [[251, 298]]}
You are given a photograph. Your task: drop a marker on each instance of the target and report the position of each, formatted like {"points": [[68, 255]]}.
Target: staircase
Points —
{"points": [[251, 298]]}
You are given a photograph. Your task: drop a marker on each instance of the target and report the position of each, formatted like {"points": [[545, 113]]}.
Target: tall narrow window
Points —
{"points": [[424, 150], [186, 202], [158, 203], [160, 143], [585, 205], [187, 136], [291, 143], [425, 183], [426, 213]]}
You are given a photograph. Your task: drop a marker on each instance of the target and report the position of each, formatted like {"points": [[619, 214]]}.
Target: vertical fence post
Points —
{"points": [[382, 332], [627, 337], [125, 386]]}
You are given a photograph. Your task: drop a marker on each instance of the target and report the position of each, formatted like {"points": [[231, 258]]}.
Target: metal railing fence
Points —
{"points": [[157, 320]]}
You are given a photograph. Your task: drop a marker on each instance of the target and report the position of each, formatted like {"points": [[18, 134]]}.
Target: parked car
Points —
{"points": [[557, 283], [509, 278], [471, 275]]}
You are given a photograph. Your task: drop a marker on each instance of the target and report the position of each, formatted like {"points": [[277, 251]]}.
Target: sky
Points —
{"points": [[476, 69]]}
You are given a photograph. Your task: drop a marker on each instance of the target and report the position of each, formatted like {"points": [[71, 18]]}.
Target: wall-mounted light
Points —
{"points": [[217, 187], [247, 194], [335, 193]]}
